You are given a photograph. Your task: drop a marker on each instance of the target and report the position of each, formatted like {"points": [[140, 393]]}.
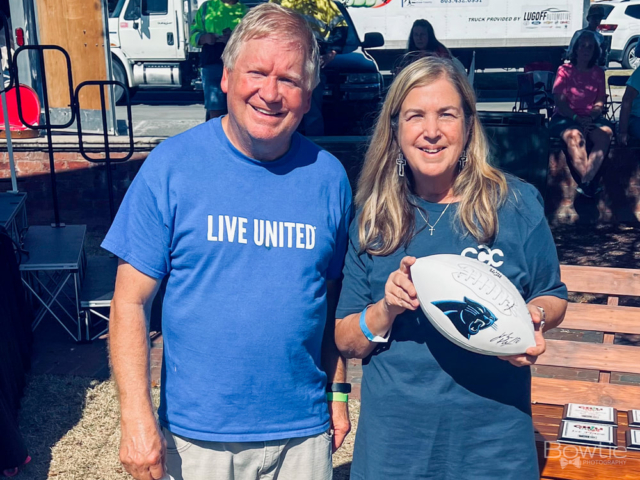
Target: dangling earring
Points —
{"points": [[401, 162], [462, 161]]}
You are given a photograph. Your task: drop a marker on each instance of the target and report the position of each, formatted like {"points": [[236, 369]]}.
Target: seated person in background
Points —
{"points": [[422, 38], [595, 16], [423, 43], [579, 94], [629, 125]]}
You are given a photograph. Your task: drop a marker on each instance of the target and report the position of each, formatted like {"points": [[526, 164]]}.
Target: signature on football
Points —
{"points": [[505, 339]]}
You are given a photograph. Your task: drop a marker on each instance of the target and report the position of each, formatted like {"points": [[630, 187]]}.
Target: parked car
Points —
{"points": [[354, 86], [622, 27]]}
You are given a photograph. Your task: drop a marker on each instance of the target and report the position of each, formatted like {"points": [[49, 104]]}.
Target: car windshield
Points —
{"points": [[115, 7]]}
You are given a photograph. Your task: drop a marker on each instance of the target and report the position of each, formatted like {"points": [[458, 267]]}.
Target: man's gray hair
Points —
{"points": [[269, 20]]}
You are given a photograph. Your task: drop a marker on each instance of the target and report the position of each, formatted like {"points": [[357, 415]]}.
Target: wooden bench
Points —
{"points": [[549, 395]]}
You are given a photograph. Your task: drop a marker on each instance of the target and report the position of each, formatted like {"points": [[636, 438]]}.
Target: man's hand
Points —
{"points": [[531, 355], [208, 39], [340, 423], [226, 35], [143, 449]]}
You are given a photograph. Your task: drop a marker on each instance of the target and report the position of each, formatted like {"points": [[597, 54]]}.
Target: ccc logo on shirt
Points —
{"points": [[485, 255]]}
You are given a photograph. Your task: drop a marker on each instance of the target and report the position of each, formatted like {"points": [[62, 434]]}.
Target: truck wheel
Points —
{"points": [[630, 61], [120, 76]]}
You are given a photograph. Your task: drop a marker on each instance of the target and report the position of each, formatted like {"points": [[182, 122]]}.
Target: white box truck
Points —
{"points": [[502, 33], [149, 41]]}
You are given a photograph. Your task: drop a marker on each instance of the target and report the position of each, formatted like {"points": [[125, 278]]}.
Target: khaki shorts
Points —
{"points": [[306, 458]]}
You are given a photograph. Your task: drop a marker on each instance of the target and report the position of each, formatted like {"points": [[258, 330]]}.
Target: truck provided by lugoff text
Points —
{"points": [[502, 33]]}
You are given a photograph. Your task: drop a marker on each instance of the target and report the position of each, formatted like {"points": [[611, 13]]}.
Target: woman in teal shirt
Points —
{"points": [[430, 409]]}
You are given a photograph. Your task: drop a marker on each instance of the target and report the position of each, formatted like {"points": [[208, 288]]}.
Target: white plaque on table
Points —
{"points": [[634, 418], [633, 439], [584, 433], [590, 413]]}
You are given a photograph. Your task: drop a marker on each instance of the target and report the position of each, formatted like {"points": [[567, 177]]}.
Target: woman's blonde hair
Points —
{"points": [[386, 199]]}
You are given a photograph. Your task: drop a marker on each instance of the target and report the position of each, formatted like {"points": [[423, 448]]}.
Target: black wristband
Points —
{"points": [[339, 387]]}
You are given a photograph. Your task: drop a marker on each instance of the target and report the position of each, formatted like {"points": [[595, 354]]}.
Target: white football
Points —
{"points": [[473, 305]]}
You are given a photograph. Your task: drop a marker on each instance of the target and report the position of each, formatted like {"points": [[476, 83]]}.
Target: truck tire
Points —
{"points": [[629, 60], [120, 76]]}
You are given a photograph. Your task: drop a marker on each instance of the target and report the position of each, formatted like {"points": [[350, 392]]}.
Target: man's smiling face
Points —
{"points": [[267, 93]]}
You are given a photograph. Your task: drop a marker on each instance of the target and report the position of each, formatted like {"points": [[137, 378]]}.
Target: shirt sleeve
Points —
{"points": [[140, 234], [543, 265], [560, 83], [342, 234], [634, 80], [197, 29], [356, 291], [602, 89]]}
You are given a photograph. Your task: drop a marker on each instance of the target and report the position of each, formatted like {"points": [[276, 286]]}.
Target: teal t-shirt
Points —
{"points": [[248, 247], [430, 409], [634, 82]]}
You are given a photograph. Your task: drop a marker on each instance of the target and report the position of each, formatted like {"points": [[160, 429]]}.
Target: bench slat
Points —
{"points": [[601, 280], [602, 318], [559, 392], [599, 469], [591, 356]]}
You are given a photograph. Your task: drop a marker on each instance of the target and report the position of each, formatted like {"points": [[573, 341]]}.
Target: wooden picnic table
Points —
{"points": [[603, 308], [580, 461]]}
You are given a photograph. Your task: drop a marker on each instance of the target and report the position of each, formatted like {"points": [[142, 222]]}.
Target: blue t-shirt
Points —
{"points": [[634, 82], [247, 247], [430, 409]]}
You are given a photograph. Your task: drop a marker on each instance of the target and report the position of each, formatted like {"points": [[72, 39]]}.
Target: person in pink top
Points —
{"points": [[579, 93]]}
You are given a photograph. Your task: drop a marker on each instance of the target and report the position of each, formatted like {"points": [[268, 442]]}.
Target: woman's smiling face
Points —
{"points": [[432, 132]]}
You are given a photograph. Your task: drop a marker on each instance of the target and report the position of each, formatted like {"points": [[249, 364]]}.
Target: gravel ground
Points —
{"points": [[71, 426], [601, 246]]}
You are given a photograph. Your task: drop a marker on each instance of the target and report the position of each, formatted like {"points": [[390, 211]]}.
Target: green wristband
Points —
{"points": [[337, 397]]}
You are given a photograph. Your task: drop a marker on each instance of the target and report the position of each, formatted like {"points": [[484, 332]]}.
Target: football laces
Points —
{"points": [[486, 288]]}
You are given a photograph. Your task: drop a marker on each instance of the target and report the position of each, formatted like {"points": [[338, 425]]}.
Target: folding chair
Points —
{"points": [[97, 292], [534, 92], [611, 106]]}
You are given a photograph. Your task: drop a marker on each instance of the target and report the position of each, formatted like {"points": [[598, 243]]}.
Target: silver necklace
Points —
{"points": [[432, 227]]}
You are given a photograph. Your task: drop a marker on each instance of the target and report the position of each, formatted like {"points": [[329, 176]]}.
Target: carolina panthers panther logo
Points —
{"points": [[468, 317]]}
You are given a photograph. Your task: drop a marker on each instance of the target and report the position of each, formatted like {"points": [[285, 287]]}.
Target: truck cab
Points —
{"points": [[149, 42]]}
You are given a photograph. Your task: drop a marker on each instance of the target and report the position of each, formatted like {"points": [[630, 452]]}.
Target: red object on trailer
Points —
{"points": [[30, 108], [19, 37]]}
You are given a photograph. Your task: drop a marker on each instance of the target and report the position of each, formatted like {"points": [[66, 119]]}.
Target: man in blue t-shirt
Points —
{"points": [[247, 221]]}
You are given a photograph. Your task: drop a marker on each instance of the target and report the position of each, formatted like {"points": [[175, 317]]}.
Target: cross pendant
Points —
{"points": [[431, 229]]}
